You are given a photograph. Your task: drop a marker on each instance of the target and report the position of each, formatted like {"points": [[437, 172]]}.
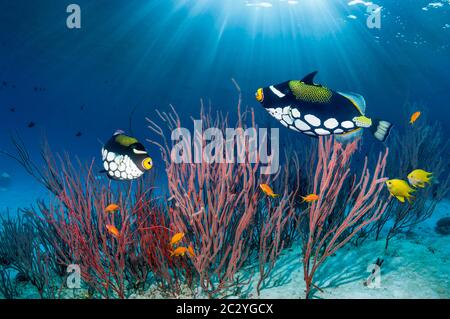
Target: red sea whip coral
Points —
{"points": [[326, 233]]}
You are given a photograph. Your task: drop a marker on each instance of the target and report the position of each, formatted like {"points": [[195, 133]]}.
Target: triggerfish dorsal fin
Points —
{"points": [[349, 136], [118, 132], [357, 100], [309, 79]]}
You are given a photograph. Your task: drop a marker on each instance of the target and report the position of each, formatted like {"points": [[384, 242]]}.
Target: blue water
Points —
{"points": [[149, 54]]}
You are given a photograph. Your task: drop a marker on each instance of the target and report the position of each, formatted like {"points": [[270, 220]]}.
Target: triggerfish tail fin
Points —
{"points": [[350, 136], [381, 129], [274, 195]]}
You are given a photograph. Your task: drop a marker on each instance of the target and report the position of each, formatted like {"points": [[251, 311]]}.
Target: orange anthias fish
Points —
{"points": [[176, 238], [111, 208], [310, 198], [113, 230], [190, 251], [180, 251], [268, 190], [414, 117]]}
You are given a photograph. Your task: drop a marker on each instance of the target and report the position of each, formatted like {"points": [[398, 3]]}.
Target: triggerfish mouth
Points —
{"points": [[316, 110], [124, 158]]}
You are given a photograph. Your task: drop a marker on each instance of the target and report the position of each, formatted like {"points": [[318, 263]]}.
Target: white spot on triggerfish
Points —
{"points": [[295, 113], [347, 124], [110, 156], [288, 119], [313, 120], [277, 92], [113, 166], [321, 131], [302, 126], [338, 131], [331, 123]]}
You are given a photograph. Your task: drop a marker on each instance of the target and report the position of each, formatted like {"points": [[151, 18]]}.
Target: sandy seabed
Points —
{"points": [[416, 265]]}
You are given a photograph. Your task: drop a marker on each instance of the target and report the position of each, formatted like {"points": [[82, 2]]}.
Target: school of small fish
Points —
{"points": [[181, 250], [401, 190]]}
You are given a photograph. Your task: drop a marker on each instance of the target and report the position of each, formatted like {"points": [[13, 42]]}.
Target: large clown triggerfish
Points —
{"points": [[315, 110]]}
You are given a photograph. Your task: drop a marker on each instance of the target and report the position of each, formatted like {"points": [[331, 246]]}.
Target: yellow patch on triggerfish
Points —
{"points": [[419, 177], [400, 189], [125, 140], [268, 190], [310, 93], [362, 121]]}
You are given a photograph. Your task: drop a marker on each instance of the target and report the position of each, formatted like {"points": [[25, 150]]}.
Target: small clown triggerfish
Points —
{"points": [[124, 158], [315, 110]]}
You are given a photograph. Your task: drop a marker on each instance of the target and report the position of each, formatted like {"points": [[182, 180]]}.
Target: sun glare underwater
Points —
{"points": [[282, 149]]}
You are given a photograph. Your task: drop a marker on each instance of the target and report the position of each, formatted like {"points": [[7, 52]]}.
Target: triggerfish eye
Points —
{"points": [[147, 163], [259, 95]]}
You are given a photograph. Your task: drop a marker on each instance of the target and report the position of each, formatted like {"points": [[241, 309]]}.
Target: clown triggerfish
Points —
{"points": [[315, 110], [124, 158]]}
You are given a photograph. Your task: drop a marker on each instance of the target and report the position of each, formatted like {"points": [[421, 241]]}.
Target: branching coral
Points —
{"points": [[418, 146], [324, 234], [73, 227], [221, 208], [228, 222], [22, 252]]}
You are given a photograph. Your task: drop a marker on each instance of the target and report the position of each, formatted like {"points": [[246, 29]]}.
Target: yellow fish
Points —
{"points": [[259, 95], [400, 189], [414, 117], [419, 177], [180, 251], [268, 190], [111, 208], [176, 238], [310, 198], [190, 251], [113, 230]]}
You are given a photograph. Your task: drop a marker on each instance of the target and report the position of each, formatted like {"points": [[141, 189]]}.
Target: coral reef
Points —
{"points": [[325, 233], [236, 234]]}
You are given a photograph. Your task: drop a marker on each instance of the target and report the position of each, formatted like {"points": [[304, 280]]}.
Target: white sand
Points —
{"points": [[416, 265]]}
